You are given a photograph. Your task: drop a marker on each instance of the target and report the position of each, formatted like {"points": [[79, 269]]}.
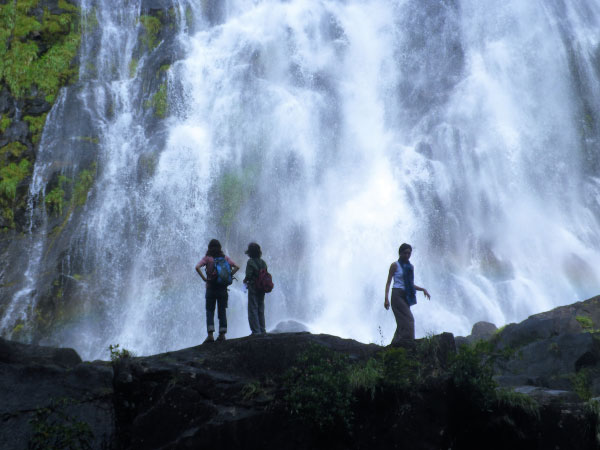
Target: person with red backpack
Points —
{"points": [[258, 280], [219, 274]]}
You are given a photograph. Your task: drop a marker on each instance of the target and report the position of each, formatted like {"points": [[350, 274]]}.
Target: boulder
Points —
{"points": [[46, 393]]}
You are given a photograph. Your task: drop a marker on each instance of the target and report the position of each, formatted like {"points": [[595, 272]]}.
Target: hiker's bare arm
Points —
{"points": [[198, 269], [386, 303], [418, 288]]}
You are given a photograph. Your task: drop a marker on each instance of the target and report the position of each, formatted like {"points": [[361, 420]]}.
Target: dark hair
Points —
{"points": [[404, 247], [214, 249], [254, 250]]}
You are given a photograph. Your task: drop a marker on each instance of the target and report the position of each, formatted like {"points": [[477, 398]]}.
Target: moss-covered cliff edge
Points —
{"points": [[39, 41]]}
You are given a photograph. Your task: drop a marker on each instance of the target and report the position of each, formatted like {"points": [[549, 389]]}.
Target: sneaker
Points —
{"points": [[221, 337], [208, 339]]}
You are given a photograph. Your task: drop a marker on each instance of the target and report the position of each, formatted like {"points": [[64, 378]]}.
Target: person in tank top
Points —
{"points": [[216, 295], [403, 294]]}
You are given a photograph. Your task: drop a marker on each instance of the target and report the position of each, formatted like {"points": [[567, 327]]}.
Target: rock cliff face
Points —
{"points": [[301, 391]]}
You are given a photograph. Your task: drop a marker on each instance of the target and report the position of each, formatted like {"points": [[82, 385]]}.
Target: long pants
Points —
{"points": [[216, 296], [405, 322], [256, 312]]}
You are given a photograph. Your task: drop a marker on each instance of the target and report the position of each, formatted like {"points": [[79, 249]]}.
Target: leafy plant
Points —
{"points": [[55, 429], [516, 400], [318, 388], [582, 384], [587, 324], [471, 373], [117, 354]]}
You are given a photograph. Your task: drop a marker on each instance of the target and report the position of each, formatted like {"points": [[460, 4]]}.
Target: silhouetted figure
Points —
{"points": [[256, 269], [219, 272], [403, 294]]}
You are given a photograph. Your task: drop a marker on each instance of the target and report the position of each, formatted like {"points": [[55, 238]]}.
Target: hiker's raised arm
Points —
{"points": [[418, 288]]}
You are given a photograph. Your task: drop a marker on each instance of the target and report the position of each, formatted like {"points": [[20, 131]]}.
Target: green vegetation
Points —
{"points": [[151, 27], [23, 62], [5, 123], [586, 323], [516, 400], [53, 428], [189, 17], [56, 197], [10, 177], [159, 101], [14, 149], [36, 126], [83, 184], [322, 387], [582, 384], [133, 67], [318, 390], [117, 354], [233, 190]]}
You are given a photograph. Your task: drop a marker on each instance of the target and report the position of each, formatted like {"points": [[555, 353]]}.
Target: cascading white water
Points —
{"points": [[332, 131]]}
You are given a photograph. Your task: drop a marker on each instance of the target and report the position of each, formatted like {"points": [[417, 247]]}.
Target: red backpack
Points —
{"points": [[264, 281]]}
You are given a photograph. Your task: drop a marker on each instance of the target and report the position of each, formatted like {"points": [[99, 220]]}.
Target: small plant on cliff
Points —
{"points": [[471, 374], [318, 389], [117, 354], [586, 323], [53, 428], [581, 384]]}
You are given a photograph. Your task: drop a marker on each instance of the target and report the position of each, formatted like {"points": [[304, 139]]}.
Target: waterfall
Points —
{"points": [[331, 131]]}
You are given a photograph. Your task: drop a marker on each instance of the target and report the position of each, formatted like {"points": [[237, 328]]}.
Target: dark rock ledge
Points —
{"points": [[236, 394]]}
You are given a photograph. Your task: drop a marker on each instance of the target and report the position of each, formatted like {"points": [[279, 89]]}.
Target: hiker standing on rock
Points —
{"points": [[404, 294], [219, 274], [258, 281]]}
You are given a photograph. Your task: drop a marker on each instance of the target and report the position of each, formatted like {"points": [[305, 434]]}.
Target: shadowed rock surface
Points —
{"points": [[236, 394]]}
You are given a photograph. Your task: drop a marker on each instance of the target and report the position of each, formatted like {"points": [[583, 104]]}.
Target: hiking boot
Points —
{"points": [[221, 337], [208, 339]]}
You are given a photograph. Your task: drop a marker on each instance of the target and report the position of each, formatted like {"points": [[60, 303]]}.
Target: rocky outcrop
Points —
{"points": [[301, 391], [558, 350], [49, 396]]}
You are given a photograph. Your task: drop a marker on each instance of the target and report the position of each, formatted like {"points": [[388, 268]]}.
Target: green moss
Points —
{"points": [[55, 199], [23, 63], [17, 330], [90, 139], [586, 323], [10, 177], [233, 189], [133, 67], [582, 384], [36, 126], [189, 17], [151, 27], [14, 149], [90, 21], [5, 123], [83, 184], [159, 101]]}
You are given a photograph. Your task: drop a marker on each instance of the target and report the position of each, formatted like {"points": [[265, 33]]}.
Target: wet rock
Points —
{"points": [[34, 378], [289, 326]]}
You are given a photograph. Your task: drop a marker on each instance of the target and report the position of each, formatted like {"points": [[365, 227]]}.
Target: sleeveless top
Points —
{"points": [[398, 277]]}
